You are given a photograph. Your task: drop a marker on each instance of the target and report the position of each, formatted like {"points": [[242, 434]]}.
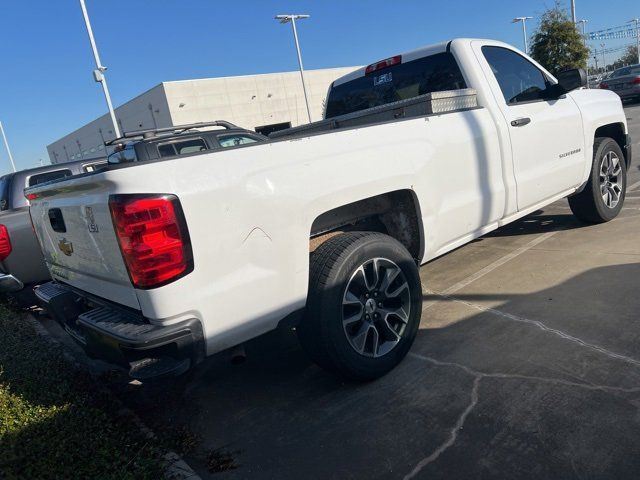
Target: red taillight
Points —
{"points": [[388, 62], [604, 85], [5, 243], [153, 238], [31, 196], [636, 81]]}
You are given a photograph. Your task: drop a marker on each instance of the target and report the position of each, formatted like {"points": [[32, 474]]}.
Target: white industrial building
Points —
{"points": [[257, 102]]}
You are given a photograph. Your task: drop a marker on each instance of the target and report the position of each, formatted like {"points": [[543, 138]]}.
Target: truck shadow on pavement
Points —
{"points": [[538, 222], [537, 385]]}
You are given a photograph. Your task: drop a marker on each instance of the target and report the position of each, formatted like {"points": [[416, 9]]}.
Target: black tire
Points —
{"points": [[588, 205], [333, 266]]}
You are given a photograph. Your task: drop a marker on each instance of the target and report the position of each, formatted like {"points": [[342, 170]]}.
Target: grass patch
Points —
{"points": [[54, 420]]}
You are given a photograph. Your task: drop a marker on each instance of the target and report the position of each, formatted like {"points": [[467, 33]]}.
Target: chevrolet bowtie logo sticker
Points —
{"points": [[66, 247]]}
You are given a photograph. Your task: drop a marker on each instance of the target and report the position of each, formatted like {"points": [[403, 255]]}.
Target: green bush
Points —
{"points": [[54, 421]]}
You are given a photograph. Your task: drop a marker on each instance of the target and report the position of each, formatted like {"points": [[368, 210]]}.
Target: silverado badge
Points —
{"points": [[66, 247]]}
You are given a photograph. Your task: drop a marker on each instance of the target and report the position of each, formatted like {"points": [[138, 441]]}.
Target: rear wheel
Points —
{"points": [[603, 196], [364, 305]]}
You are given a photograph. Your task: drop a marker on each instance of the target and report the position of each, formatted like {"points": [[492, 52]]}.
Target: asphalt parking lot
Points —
{"points": [[527, 365]]}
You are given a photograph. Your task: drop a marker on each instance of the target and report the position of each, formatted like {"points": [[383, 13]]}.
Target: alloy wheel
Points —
{"points": [[376, 307], [610, 179]]}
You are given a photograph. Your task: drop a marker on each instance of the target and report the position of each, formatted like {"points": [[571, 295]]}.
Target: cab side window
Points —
{"points": [[519, 79], [235, 140], [184, 147]]}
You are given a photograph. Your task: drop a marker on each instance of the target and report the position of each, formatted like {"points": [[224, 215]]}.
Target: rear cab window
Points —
{"points": [[402, 81], [124, 155], [48, 176]]}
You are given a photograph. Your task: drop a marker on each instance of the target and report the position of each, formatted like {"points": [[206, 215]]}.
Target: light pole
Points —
{"points": [[583, 22], [637, 21], [98, 73], [6, 144], [604, 61], [584, 42], [524, 30], [573, 11], [292, 18]]}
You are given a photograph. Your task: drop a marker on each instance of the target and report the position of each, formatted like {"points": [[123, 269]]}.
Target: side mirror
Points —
{"points": [[572, 79]]}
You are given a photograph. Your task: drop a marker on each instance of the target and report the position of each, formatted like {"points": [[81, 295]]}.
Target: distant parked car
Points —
{"points": [[21, 261], [625, 82], [179, 140]]}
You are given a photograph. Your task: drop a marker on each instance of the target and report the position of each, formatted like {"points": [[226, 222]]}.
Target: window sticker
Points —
{"points": [[381, 79]]}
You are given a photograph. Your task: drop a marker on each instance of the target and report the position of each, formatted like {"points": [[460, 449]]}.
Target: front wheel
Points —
{"points": [[364, 305], [603, 196]]}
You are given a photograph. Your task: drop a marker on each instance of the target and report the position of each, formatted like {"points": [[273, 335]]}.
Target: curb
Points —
{"points": [[175, 466]]}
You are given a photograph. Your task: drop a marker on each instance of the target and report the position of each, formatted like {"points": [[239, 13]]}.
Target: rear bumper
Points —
{"points": [[123, 337], [9, 283]]}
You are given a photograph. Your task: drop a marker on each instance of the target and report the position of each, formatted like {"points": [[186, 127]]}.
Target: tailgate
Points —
{"points": [[73, 223]]}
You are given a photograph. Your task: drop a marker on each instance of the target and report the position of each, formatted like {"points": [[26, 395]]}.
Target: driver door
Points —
{"points": [[547, 139]]}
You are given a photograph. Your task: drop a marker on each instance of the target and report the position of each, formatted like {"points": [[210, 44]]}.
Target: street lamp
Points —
{"points": [[292, 18], [524, 30], [584, 30], [6, 144], [604, 61], [573, 11], [637, 21], [98, 73], [584, 41]]}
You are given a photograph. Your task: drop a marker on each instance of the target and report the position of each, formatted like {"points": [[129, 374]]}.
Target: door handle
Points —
{"points": [[520, 122]]}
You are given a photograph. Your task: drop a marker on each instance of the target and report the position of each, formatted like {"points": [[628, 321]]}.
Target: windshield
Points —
{"points": [[399, 82], [128, 154]]}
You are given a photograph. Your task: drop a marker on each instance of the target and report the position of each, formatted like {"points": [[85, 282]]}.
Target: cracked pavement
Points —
{"points": [[526, 365]]}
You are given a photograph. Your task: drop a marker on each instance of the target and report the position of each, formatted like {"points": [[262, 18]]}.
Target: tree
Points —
{"points": [[556, 44], [630, 56]]}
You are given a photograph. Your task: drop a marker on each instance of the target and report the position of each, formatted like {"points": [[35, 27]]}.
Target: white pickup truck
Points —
{"points": [[159, 264]]}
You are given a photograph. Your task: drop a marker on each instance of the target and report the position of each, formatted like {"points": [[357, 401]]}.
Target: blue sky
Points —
{"points": [[47, 89]]}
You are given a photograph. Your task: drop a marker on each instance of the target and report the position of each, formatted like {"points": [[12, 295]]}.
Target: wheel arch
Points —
{"points": [[616, 131], [396, 213]]}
